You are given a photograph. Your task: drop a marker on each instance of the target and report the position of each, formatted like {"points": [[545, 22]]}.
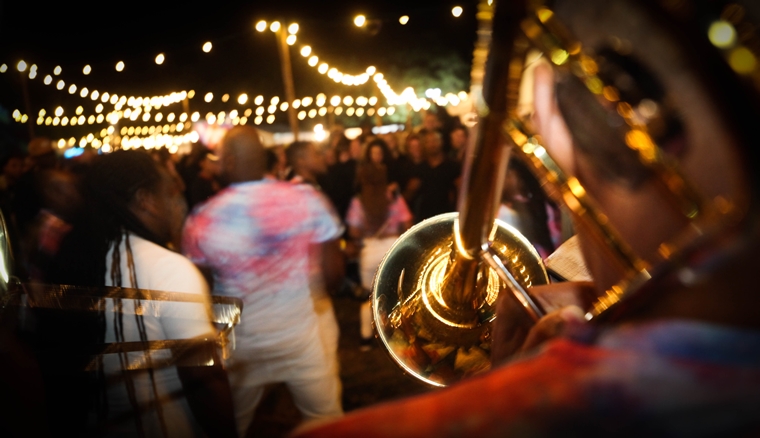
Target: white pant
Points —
{"points": [[308, 369], [373, 251]]}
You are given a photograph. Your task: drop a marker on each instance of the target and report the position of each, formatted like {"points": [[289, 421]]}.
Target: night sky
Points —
{"points": [[73, 34]]}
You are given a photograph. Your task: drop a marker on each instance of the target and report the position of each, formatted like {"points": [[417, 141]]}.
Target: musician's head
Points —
{"points": [[134, 193], [242, 155], [659, 70]]}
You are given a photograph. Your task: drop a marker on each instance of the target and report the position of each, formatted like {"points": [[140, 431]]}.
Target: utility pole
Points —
{"points": [[287, 79]]}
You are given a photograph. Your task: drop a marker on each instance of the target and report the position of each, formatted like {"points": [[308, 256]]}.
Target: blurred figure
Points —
{"points": [[435, 185], [133, 212], [309, 166], [376, 217], [205, 184], [458, 143], [666, 341], [258, 237]]}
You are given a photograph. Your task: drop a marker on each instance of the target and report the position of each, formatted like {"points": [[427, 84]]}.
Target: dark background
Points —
{"points": [[434, 47]]}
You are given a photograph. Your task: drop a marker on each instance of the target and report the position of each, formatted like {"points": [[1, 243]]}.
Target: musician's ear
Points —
{"points": [[548, 120]]}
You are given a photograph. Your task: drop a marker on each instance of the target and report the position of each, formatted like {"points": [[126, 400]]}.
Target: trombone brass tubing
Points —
{"points": [[484, 167], [434, 294]]}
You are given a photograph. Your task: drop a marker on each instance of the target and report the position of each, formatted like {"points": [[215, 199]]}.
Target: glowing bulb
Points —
{"points": [[225, 97], [87, 69], [284, 106], [160, 58], [312, 113], [257, 120], [722, 34], [57, 70], [261, 26], [72, 89], [313, 61], [242, 99], [3, 68], [403, 19], [456, 11], [94, 95], [290, 40], [21, 66], [195, 117], [301, 115], [348, 101], [275, 26], [209, 96], [371, 70], [207, 46], [32, 74], [306, 101], [322, 111], [275, 100], [293, 28], [305, 51], [323, 68], [259, 100], [84, 92], [360, 20], [270, 119]]}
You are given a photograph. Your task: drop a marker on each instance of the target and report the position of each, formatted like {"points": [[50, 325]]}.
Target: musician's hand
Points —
{"points": [[514, 331]]}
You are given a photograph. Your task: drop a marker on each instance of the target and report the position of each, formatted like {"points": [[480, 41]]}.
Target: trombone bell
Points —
{"points": [[430, 328]]}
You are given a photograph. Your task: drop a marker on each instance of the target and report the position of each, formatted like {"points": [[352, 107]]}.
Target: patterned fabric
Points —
{"points": [[677, 378], [398, 213], [255, 237]]}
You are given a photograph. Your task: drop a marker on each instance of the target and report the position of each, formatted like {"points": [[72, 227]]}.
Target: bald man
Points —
{"points": [[259, 251]]}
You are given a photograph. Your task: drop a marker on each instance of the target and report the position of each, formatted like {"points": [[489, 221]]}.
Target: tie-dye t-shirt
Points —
{"points": [[255, 238]]}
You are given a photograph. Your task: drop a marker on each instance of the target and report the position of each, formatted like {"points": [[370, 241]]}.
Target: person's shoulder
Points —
{"points": [[164, 269]]}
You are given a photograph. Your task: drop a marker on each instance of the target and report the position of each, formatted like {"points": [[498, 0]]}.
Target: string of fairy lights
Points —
{"points": [[178, 126]]}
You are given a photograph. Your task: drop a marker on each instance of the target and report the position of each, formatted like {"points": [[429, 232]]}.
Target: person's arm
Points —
{"points": [[514, 332], [208, 392], [411, 188]]}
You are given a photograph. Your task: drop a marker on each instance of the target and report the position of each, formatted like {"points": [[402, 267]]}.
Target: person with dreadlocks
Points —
{"points": [[135, 215]]}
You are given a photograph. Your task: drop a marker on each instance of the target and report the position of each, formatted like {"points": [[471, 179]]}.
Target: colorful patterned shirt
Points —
{"points": [[676, 378], [255, 237]]}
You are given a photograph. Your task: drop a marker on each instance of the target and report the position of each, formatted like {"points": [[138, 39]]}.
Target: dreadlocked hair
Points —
{"points": [[111, 187]]}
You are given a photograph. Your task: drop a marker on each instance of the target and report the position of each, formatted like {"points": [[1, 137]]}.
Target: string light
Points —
{"points": [[87, 69], [57, 70], [293, 28], [456, 11], [160, 58], [261, 26], [207, 46], [3, 68], [290, 40], [242, 99], [21, 66], [403, 19], [360, 20], [275, 26]]}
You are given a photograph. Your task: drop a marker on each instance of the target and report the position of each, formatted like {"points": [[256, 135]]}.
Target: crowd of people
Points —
{"points": [[282, 228], [666, 152]]}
